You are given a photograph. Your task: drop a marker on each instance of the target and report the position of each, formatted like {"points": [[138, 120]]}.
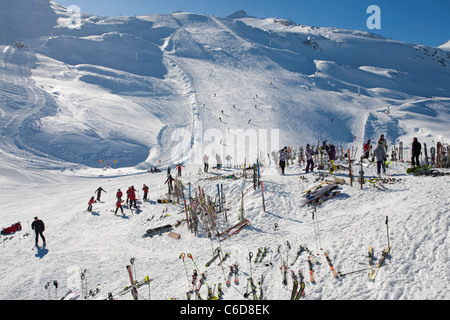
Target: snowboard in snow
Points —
{"points": [[157, 230]]}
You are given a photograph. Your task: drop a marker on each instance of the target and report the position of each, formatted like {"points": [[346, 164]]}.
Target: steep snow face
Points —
{"points": [[164, 88]]}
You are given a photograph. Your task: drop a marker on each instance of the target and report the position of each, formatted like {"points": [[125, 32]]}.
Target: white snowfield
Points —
{"points": [[99, 103]]}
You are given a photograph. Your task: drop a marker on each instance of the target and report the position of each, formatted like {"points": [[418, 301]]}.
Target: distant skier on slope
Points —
{"points": [[90, 203], [179, 166], [284, 156], [99, 193]]}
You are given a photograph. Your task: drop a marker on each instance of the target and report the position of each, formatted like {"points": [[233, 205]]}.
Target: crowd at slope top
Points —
{"points": [[379, 155]]}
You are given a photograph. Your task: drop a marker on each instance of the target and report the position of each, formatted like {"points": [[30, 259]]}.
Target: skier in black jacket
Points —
{"points": [[416, 150], [38, 227]]}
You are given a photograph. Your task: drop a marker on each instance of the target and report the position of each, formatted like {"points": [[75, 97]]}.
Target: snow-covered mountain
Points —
{"points": [[145, 91], [118, 88]]}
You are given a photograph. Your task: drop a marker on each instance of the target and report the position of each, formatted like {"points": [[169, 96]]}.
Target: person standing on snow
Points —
{"points": [[169, 182], [119, 195], [380, 154], [228, 158], [145, 189], [383, 143], [132, 196], [331, 151], [415, 152], [91, 201], [119, 206], [310, 153], [284, 156], [179, 166], [38, 226], [99, 193], [205, 162], [366, 149]]}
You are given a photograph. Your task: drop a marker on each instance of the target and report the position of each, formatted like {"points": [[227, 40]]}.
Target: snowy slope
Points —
{"points": [[143, 78], [127, 90]]}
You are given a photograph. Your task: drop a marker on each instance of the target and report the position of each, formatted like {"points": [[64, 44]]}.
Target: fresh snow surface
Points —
{"points": [[145, 91]]}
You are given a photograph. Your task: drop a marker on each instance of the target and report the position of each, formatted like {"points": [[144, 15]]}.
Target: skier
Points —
{"points": [[38, 226], [383, 142], [415, 152], [132, 196], [91, 201], [366, 149], [219, 161], [119, 206], [169, 183], [145, 189], [119, 195], [179, 169], [309, 158], [228, 158], [331, 151], [99, 193], [205, 162], [284, 156], [380, 154]]}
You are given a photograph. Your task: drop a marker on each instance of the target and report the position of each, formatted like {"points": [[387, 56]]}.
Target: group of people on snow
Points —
{"points": [[380, 154], [131, 199], [329, 148]]}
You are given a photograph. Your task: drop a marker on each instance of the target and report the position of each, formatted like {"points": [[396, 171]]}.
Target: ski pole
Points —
{"points": [[387, 229], [185, 269], [55, 283], [250, 255], [46, 288], [192, 258]]}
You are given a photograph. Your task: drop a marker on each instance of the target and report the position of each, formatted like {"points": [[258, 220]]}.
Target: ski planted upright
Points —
{"points": [[134, 291], [294, 285], [301, 287]]}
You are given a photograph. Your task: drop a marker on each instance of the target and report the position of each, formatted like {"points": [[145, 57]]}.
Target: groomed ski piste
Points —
{"points": [[156, 78]]}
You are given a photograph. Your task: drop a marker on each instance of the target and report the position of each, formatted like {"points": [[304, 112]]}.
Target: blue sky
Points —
{"points": [[414, 21]]}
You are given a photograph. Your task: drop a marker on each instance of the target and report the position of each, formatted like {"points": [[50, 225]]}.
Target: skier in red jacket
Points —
{"points": [[119, 195], [145, 189], [132, 196], [119, 206], [91, 201]]}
